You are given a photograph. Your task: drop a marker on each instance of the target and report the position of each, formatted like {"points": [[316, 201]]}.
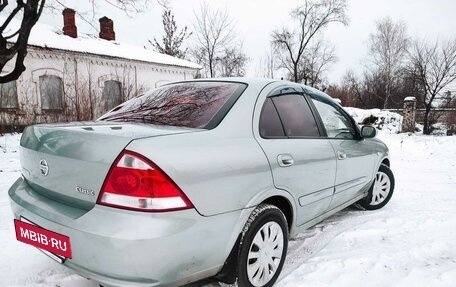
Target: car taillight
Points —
{"points": [[134, 182]]}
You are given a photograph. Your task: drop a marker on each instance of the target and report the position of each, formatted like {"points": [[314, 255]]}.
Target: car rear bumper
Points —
{"points": [[126, 248]]}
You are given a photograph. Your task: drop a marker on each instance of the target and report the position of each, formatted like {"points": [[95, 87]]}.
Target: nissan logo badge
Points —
{"points": [[44, 168]]}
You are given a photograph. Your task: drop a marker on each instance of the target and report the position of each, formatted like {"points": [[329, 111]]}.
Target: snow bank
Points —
{"points": [[439, 129], [383, 120]]}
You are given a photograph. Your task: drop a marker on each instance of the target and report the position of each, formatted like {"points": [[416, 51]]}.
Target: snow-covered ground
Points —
{"points": [[410, 242]]}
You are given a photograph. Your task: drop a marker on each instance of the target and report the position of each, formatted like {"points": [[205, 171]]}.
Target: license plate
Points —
{"points": [[53, 244]]}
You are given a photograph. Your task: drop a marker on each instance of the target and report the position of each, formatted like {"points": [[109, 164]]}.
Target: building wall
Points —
{"points": [[84, 78]]}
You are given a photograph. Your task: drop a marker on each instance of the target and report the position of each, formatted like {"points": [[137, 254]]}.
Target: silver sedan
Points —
{"points": [[197, 179]]}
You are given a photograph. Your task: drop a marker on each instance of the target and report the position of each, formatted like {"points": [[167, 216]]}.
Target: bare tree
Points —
{"points": [[129, 7], [363, 91], [214, 31], [29, 11], [312, 17], [384, 81], [387, 51], [232, 62], [172, 40], [14, 37], [315, 62], [265, 66], [434, 66], [350, 90]]}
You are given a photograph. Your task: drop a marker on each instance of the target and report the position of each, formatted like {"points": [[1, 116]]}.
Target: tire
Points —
{"points": [[266, 222], [381, 190]]}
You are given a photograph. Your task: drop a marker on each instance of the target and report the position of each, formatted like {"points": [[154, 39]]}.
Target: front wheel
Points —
{"points": [[263, 247], [381, 190]]}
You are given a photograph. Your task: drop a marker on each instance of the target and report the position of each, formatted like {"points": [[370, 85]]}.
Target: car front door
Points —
{"points": [[355, 161], [301, 160]]}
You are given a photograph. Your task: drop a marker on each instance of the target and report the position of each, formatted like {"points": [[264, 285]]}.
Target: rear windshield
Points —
{"points": [[191, 104]]}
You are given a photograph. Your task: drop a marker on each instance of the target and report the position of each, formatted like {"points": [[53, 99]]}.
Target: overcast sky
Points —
{"points": [[256, 19]]}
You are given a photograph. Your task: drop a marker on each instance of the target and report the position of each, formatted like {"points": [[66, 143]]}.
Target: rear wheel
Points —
{"points": [[263, 247], [381, 190]]}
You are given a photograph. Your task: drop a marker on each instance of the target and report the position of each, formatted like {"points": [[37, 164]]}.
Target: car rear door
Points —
{"points": [[355, 159], [302, 162]]}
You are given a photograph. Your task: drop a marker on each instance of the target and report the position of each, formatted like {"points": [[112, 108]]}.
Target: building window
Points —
{"points": [[51, 90], [112, 94], [8, 95]]}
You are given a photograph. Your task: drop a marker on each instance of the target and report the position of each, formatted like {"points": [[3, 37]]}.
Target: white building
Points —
{"points": [[72, 77]]}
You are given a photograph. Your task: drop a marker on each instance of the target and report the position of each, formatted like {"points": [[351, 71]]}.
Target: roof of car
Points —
{"points": [[246, 80], [264, 82]]}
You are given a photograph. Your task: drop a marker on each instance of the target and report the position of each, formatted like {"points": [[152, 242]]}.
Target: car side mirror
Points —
{"points": [[368, 132]]}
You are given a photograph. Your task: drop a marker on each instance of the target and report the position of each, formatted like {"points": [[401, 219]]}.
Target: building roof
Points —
{"points": [[47, 37]]}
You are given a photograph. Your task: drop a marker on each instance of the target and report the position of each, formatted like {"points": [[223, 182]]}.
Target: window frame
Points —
{"points": [[16, 96], [287, 91], [105, 97], [62, 95]]}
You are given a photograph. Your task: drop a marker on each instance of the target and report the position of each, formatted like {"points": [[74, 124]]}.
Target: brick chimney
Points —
{"points": [[69, 23], [107, 29]]}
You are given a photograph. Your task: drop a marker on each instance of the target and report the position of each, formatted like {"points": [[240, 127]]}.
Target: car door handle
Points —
{"points": [[285, 160], [341, 155]]}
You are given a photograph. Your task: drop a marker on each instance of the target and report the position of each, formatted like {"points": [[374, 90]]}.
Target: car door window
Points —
{"points": [[337, 125], [270, 125], [296, 116]]}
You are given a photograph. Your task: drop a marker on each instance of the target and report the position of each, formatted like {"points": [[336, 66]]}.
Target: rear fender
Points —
{"points": [[228, 272], [272, 192]]}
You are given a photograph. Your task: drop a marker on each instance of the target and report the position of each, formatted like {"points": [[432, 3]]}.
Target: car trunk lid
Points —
{"points": [[69, 162]]}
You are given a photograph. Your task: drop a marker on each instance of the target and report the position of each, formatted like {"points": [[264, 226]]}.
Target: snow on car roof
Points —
{"points": [[48, 37]]}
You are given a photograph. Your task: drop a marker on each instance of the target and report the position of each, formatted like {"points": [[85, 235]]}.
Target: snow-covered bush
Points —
{"points": [[383, 120], [439, 129]]}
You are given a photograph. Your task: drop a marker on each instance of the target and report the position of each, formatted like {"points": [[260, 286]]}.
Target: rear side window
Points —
{"points": [[296, 116], [192, 105], [270, 125]]}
